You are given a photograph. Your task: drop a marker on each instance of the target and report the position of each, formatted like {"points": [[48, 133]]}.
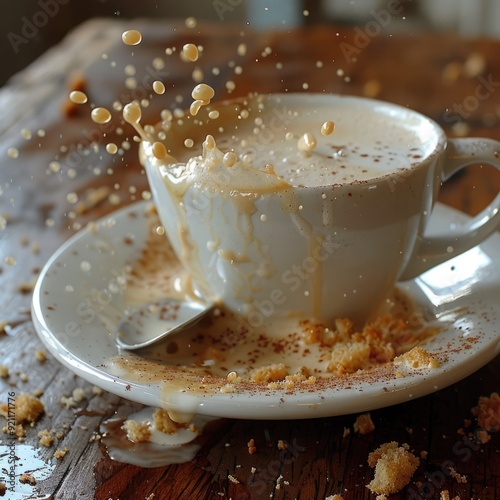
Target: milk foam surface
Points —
{"points": [[368, 142]]}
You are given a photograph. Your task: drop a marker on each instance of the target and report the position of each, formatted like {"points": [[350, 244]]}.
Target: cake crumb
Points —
{"points": [[164, 423], [137, 432], [95, 437], [487, 412], [27, 479], [374, 344], [445, 495], [28, 408], [394, 466], [458, 477], [346, 432], [289, 382], [227, 389], [482, 436], [67, 402], [193, 428], [251, 446], [60, 453], [417, 358], [4, 371], [78, 394], [348, 357], [97, 390], [334, 497], [26, 286], [46, 438], [364, 424], [18, 431], [282, 445], [278, 482], [40, 355], [232, 479], [270, 373]]}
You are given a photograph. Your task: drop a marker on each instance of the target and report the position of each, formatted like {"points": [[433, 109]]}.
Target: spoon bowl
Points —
{"points": [[153, 321]]}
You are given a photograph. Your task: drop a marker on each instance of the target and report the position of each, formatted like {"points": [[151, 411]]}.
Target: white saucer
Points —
{"points": [[462, 294]]}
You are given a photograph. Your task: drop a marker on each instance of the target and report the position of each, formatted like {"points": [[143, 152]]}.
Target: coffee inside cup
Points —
{"points": [[269, 134]]}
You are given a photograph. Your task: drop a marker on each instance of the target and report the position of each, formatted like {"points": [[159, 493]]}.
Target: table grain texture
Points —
{"points": [[438, 75]]}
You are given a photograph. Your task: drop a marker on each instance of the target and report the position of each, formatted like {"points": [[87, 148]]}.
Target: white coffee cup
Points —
{"points": [[322, 246]]}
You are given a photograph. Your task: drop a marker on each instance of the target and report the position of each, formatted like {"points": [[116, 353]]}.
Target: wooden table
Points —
{"points": [[429, 73]]}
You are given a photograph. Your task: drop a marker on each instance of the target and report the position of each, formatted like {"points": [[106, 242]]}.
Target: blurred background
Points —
{"points": [[30, 27]]}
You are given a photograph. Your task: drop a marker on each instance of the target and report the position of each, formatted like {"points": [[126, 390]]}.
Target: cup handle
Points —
{"points": [[431, 251]]}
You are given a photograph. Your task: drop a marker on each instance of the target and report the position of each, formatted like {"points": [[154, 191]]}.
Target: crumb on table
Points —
{"points": [[251, 447], [394, 466], [60, 453], [27, 479], [46, 438], [487, 412], [40, 355], [364, 424], [28, 408]]}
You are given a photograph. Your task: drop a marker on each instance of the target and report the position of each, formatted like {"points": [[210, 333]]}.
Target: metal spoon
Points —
{"points": [[156, 320]]}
